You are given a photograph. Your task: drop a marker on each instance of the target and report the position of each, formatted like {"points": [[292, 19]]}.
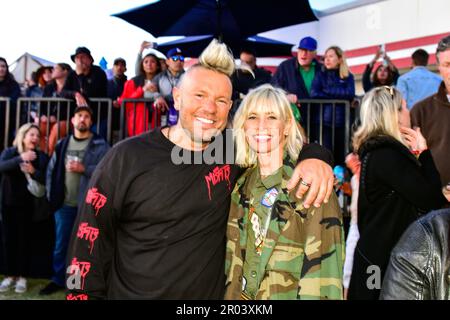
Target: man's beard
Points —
{"points": [[82, 129]]}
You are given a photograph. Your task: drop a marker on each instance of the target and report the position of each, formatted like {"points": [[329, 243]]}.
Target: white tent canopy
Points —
{"points": [[26, 64]]}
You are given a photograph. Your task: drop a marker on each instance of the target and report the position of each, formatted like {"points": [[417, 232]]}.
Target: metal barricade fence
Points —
{"points": [[348, 124], [5, 111], [43, 106], [320, 103], [34, 108]]}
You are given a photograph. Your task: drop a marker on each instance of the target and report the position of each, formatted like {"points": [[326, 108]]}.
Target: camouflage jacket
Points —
{"points": [[303, 253]]}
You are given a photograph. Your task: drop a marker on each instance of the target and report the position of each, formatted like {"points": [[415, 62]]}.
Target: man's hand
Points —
{"points": [[81, 101], [161, 104], [314, 177], [116, 104], [292, 98], [74, 166]]}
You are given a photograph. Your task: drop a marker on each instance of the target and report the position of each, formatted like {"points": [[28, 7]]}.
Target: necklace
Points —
{"points": [[168, 134]]}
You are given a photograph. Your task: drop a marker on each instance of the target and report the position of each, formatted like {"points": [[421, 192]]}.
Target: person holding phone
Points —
{"points": [[385, 74]]}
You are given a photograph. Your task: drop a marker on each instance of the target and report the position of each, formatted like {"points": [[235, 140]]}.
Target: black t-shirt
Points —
{"points": [[161, 232], [151, 229]]}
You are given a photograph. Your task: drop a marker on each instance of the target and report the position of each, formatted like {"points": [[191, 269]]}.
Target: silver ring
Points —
{"points": [[306, 184]]}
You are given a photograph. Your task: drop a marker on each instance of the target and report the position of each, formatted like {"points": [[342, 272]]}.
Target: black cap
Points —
{"points": [[81, 50], [120, 60], [83, 108]]}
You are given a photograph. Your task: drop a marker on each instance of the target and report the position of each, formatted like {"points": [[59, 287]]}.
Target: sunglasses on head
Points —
{"points": [[176, 58], [390, 89]]}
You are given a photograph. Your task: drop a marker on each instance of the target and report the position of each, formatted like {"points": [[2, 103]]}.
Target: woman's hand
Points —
{"points": [[27, 167], [150, 86], [28, 156], [377, 56], [414, 139]]}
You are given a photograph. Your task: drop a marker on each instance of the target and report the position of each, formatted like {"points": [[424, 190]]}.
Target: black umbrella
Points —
{"points": [[263, 47], [229, 20]]}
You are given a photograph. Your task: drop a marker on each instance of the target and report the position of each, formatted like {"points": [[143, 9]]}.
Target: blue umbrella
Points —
{"points": [[229, 20], [263, 47]]}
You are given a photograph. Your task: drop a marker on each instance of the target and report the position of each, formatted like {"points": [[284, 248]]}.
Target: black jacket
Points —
{"points": [[367, 81], [10, 89], [92, 85], [395, 189], [289, 78], [419, 265], [13, 183]]}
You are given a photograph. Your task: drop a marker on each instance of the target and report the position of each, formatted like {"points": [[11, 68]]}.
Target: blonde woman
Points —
{"points": [[334, 81], [398, 183], [17, 203], [277, 249]]}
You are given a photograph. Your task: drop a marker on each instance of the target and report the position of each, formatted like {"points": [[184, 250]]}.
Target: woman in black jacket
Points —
{"points": [[398, 183], [9, 88], [17, 203]]}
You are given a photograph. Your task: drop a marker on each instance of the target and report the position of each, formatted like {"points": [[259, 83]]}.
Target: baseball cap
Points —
{"points": [[81, 50], [174, 52], [83, 108], [308, 43], [120, 60]]}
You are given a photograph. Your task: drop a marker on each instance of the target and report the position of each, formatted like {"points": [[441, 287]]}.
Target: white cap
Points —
{"points": [[157, 53]]}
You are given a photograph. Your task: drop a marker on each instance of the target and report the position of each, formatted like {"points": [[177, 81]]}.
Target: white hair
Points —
{"points": [[270, 99]]}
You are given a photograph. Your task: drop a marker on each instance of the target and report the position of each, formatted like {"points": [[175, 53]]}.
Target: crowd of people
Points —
{"points": [[130, 222]]}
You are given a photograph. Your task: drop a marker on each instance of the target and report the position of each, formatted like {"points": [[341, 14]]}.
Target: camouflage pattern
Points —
{"points": [[302, 254]]}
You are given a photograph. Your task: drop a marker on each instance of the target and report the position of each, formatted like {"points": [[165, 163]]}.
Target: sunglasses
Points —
{"points": [[391, 90], [176, 58]]}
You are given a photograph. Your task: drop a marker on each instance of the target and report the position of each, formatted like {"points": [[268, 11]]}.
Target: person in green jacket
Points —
{"points": [[276, 248]]}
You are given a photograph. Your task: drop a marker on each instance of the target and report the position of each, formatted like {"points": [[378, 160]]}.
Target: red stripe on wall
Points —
{"points": [[398, 45], [361, 52], [424, 41], [399, 63]]}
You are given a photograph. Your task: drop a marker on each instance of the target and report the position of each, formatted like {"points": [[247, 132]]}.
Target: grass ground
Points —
{"points": [[34, 285]]}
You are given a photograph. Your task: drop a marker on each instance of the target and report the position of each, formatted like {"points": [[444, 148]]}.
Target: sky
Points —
{"points": [[53, 29]]}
